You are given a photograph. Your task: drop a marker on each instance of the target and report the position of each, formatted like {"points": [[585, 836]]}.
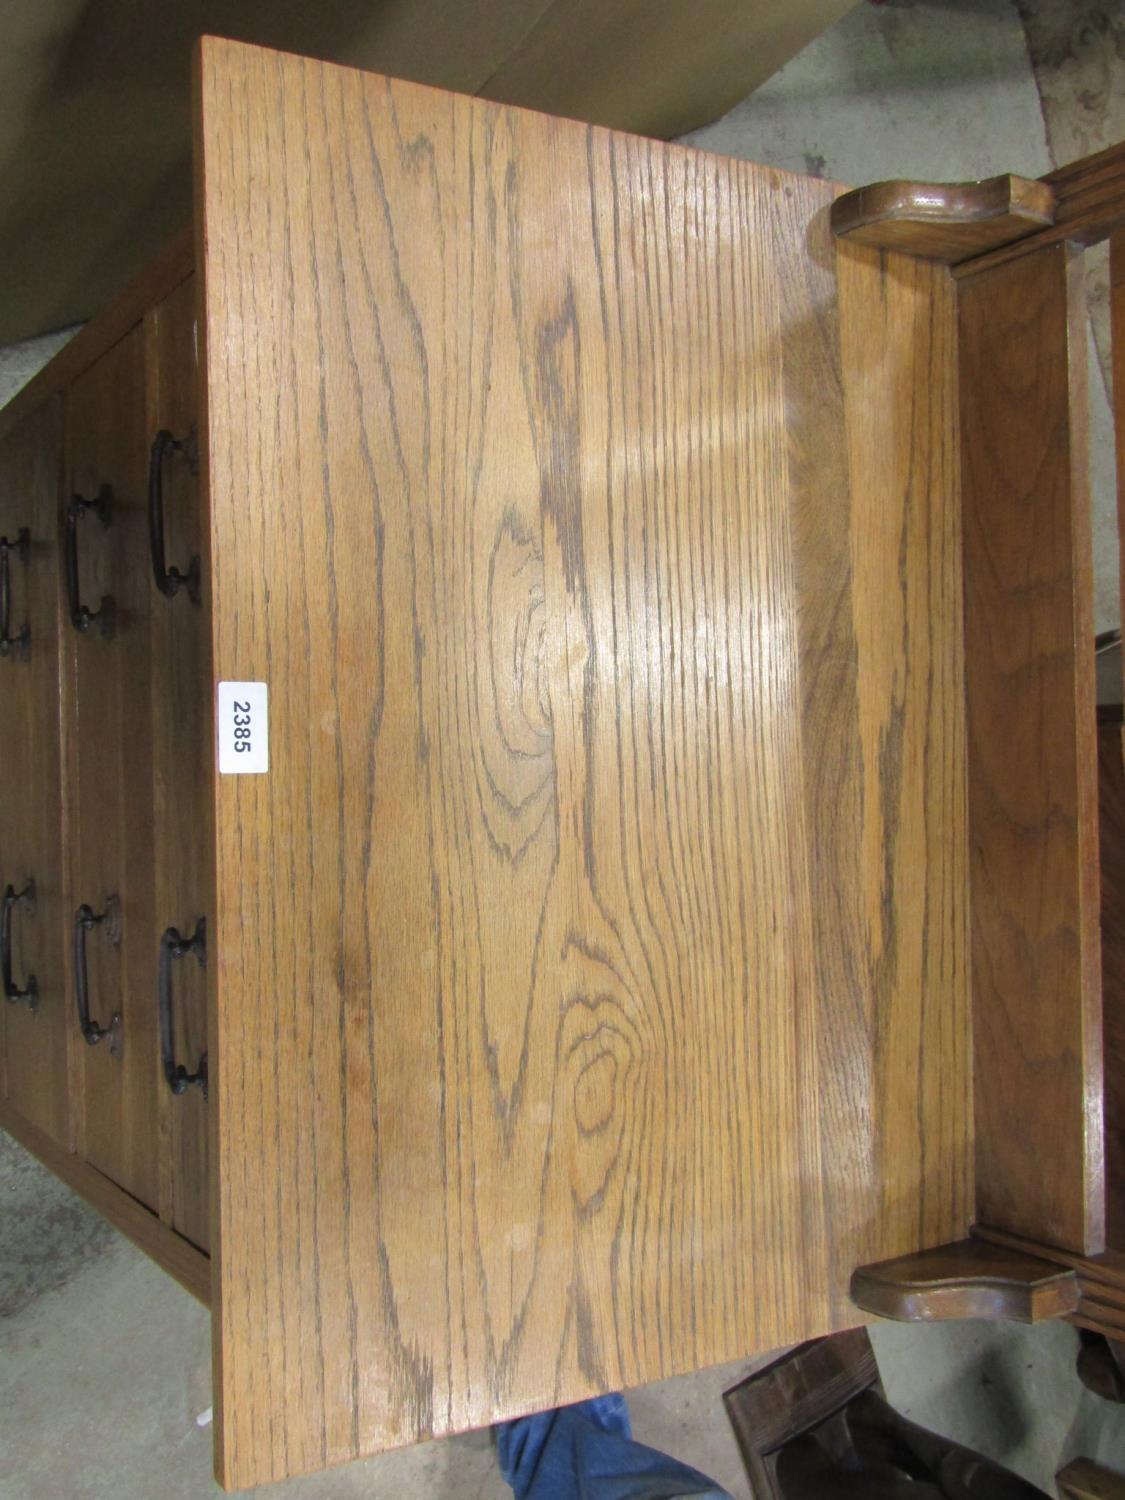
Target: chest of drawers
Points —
{"points": [[569, 984], [105, 820]]}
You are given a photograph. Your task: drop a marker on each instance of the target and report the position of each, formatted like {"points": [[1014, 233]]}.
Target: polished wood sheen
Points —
{"points": [[182, 751], [1032, 760], [944, 221], [1101, 1280], [1107, 1267], [968, 1279], [34, 1041], [1089, 206], [589, 981]]}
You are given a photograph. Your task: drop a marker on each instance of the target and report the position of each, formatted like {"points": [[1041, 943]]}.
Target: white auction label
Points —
{"points": [[244, 728]]}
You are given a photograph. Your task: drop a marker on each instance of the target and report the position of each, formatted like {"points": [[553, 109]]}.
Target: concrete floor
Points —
{"points": [[104, 1361]]}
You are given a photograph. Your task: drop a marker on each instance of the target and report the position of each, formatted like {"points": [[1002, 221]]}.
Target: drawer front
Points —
{"points": [[180, 746], [34, 1016], [111, 832]]}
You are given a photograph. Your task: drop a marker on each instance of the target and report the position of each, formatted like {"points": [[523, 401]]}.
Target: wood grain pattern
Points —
{"points": [[886, 786], [1104, 1291], [1101, 1281], [189, 1266], [968, 1279], [1032, 758], [797, 1392], [944, 221], [608, 1016], [1107, 1267], [1082, 1479], [1090, 195], [34, 1041], [182, 742], [1111, 845], [1104, 1314], [108, 718], [1089, 206]]}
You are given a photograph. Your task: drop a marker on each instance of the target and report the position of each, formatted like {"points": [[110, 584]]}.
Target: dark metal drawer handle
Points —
{"points": [[29, 995], [173, 946], [168, 580], [17, 646], [86, 918], [82, 617]]}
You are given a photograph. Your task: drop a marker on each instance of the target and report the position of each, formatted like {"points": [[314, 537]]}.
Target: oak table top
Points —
{"points": [[589, 978]]}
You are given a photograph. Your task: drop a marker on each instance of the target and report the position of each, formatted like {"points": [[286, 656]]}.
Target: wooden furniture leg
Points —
{"points": [[802, 1390]]}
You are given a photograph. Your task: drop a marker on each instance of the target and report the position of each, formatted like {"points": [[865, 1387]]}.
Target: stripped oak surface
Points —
{"points": [[1032, 757], [589, 986]]}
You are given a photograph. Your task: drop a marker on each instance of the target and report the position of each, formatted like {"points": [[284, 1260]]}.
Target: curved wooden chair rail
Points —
{"points": [[969, 1279], [944, 221]]}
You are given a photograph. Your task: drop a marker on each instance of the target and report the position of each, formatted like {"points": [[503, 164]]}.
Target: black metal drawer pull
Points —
{"points": [[85, 918], [168, 580], [82, 617], [173, 946], [29, 994], [17, 646]]}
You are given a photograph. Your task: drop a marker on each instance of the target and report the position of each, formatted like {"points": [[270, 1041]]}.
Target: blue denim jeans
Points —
{"points": [[587, 1452]]}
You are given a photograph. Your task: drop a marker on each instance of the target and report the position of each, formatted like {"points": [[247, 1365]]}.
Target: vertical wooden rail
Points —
{"points": [[1032, 758]]}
